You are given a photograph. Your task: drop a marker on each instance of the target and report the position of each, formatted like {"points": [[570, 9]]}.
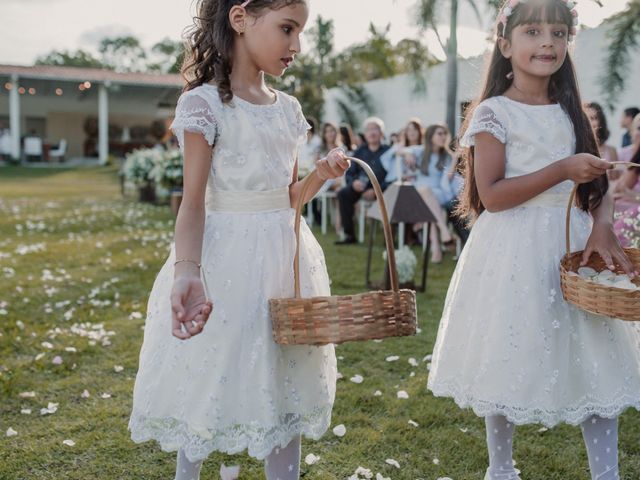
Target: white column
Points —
{"points": [[14, 116], [103, 124]]}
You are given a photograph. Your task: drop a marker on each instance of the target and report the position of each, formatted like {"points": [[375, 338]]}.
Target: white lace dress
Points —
{"points": [[508, 343], [232, 388]]}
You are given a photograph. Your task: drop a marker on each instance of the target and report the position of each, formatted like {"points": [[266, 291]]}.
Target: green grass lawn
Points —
{"points": [[77, 261]]}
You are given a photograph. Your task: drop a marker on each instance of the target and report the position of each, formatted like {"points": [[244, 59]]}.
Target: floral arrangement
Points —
{"points": [[167, 170], [139, 164], [628, 227], [406, 262]]}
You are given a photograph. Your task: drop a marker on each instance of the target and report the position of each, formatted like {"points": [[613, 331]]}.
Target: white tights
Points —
{"points": [[600, 437], [280, 464]]}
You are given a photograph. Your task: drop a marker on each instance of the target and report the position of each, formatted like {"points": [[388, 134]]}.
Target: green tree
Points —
{"points": [[123, 54], [66, 58], [623, 36], [170, 55], [428, 14]]}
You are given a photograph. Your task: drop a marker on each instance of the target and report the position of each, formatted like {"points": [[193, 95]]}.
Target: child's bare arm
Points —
{"points": [[499, 193], [188, 299]]}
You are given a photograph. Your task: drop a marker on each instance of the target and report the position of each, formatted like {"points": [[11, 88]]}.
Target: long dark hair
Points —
{"points": [[443, 153], [415, 123], [602, 132], [209, 42], [563, 89], [347, 136], [325, 145]]}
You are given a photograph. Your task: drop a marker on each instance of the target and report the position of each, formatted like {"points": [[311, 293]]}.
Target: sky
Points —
{"points": [[31, 28]]}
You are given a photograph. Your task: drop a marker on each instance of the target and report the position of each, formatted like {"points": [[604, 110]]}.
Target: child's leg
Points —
{"points": [[500, 445], [284, 463], [601, 439], [186, 470]]}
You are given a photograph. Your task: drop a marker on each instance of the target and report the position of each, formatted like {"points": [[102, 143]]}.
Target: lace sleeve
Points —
{"points": [[194, 114], [485, 118]]}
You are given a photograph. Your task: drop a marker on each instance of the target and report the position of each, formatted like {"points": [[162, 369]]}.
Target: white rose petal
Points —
{"points": [[542, 430], [11, 432], [26, 411], [412, 423], [357, 379], [402, 394], [57, 360], [105, 395], [380, 477], [413, 362], [427, 358], [118, 368], [311, 459], [85, 394], [436, 461], [69, 443], [365, 472], [339, 376], [377, 393], [39, 356], [27, 395], [392, 358], [391, 461], [339, 430]]}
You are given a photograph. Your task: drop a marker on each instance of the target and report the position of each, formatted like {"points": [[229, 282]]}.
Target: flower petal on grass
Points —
{"points": [[402, 394], [69, 443], [357, 379], [391, 461], [11, 432], [311, 459], [339, 430]]}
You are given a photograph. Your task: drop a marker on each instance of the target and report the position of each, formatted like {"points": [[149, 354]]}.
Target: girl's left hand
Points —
{"points": [[604, 242], [333, 165]]}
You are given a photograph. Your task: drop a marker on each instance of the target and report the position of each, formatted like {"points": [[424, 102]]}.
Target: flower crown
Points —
{"points": [[510, 7]]}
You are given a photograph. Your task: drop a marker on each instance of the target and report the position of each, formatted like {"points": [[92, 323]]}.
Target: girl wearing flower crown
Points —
{"points": [[227, 386], [508, 345]]}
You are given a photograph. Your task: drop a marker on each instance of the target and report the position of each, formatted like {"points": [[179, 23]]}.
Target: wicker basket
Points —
{"points": [[593, 297], [339, 319]]}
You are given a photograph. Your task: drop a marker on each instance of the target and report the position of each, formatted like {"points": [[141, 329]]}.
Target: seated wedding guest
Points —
{"points": [[330, 140], [627, 193], [427, 167], [625, 122], [348, 138], [410, 135], [358, 184], [598, 122]]}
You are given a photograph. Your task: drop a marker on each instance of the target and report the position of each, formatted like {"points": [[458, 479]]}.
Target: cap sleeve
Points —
{"points": [[487, 117], [194, 114]]}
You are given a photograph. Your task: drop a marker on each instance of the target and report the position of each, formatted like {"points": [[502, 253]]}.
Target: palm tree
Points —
{"points": [[624, 34], [428, 11]]}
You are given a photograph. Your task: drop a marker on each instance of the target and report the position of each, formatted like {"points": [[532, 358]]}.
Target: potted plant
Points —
{"points": [[138, 167], [168, 172]]}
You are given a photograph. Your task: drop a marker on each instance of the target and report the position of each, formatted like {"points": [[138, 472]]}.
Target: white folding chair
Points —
{"points": [[59, 152], [33, 147]]}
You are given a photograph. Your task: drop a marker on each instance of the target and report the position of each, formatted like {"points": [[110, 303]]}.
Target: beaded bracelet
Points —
{"points": [[187, 260]]}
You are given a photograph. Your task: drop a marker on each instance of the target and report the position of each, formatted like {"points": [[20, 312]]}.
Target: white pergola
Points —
{"points": [[154, 86]]}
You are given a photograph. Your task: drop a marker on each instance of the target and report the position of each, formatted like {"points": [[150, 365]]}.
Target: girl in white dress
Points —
{"points": [[509, 346], [227, 386]]}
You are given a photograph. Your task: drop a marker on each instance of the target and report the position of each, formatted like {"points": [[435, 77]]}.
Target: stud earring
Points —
{"points": [[510, 76]]}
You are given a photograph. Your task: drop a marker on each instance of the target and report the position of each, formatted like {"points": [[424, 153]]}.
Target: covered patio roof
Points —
{"points": [[41, 87]]}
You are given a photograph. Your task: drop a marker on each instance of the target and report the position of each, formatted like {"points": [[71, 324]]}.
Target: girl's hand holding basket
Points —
{"points": [[334, 165]]}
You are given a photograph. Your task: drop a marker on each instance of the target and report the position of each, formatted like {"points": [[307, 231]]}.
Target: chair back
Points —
{"points": [[33, 146]]}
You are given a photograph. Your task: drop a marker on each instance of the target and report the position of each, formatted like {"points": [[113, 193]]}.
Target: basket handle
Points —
{"points": [[571, 200], [388, 235]]}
